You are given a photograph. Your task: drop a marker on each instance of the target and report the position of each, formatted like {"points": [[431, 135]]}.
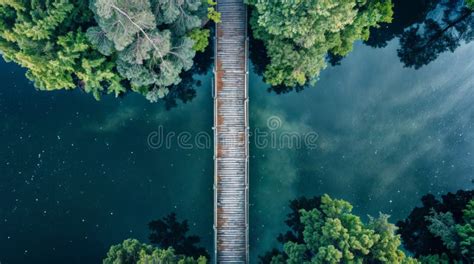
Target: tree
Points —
{"points": [[440, 229], [185, 91], [212, 13], [131, 251], [332, 234], [200, 38], [465, 232], [147, 56], [470, 4], [299, 34], [105, 46], [169, 232], [154, 40], [46, 38], [443, 226], [457, 238]]}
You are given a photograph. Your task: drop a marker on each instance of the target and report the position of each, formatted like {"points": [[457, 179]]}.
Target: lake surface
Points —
{"points": [[77, 176], [387, 136]]}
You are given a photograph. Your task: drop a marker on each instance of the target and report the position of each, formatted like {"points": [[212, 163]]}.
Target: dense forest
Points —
{"points": [[441, 231], [150, 46], [105, 46], [324, 230], [299, 35], [146, 46]]}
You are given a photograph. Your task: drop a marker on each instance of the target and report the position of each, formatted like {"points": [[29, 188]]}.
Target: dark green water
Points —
{"points": [[77, 175], [387, 136]]}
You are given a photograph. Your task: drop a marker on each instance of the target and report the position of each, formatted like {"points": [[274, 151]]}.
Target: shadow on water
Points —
{"points": [[426, 30], [406, 13], [169, 232], [185, 91]]}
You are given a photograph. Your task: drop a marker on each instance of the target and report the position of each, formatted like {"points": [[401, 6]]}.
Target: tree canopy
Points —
{"points": [[330, 233], [131, 251], [105, 46], [441, 230], [46, 38], [298, 35]]}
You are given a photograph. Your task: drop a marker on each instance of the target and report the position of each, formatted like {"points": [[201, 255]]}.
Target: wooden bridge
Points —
{"points": [[231, 134]]}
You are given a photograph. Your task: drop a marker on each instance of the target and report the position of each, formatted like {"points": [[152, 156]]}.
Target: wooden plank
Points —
{"points": [[231, 134]]}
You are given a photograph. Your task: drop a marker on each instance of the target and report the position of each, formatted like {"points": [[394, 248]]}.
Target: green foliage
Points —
{"points": [[458, 238], [157, 93], [139, 44], [122, 21], [148, 55], [180, 14], [127, 252], [212, 13], [200, 38], [332, 234], [41, 27], [470, 4], [443, 226], [441, 232], [131, 251], [299, 34], [44, 37], [414, 230], [168, 256], [17, 5], [99, 40], [466, 232]]}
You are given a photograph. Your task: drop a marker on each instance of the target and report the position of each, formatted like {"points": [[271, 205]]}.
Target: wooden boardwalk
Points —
{"points": [[231, 134]]}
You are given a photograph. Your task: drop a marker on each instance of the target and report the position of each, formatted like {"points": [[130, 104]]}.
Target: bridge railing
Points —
{"points": [[247, 126], [214, 96]]}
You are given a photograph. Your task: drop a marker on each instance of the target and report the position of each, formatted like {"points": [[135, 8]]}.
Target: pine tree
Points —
{"points": [[103, 46], [328, 232], [46, 37], [298, 35], [147, 56]]}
